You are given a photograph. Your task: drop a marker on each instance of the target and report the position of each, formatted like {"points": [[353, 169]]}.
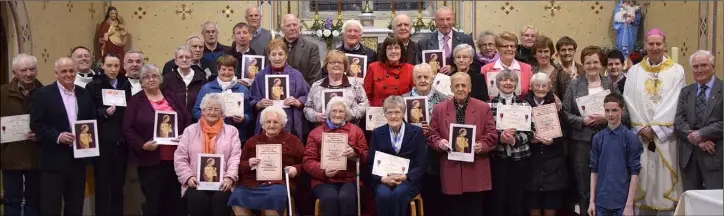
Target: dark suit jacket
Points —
{"points": [[413, 147], [304, 57], [206, 64], [710, 129], [108, 126], [430, 42], [173, 83], [410, 53], [48, 119]]}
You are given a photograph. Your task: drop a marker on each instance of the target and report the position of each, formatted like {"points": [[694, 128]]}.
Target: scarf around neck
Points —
{"points": [[209, 133]]}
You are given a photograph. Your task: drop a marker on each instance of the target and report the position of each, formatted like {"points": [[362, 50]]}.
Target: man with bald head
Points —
{"points": [[402, 29], [83, 61], [260, 36], [198, 63], [54, 109], [303, 54], [445, 38]]}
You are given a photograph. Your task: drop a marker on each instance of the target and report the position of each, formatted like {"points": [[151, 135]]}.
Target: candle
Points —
{"points": [[675, 54]]}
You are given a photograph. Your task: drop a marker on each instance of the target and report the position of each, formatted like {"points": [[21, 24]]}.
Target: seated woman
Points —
{"points": [[334, 188], [269, 196], [398, 138], [209, 136]]}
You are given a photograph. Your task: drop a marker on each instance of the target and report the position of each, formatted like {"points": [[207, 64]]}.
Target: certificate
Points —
{"points": [[165, 128], [233, 103], [86, 139], [327, 96], [461, 139], [592, 104], [547, 124], [277, 89], [513, 116], [386, 164], [14, 128], [333, 145], [417, 112], [210, 171], [112, 97], [375, 118], [270, 162]]}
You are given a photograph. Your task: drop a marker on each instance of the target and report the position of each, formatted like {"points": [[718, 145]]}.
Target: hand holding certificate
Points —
{"points": [[461, 140], [14, 128], [547, 124], [513, 116], [592, 104], [333, 146], [270, 162], [387, 164], [112, 97]]}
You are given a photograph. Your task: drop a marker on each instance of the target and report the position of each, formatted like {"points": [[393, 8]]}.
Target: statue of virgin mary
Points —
{"points": [[627, 18]]}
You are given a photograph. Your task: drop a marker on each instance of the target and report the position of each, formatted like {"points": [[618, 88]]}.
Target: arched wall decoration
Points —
{"points": [[22, 26]]}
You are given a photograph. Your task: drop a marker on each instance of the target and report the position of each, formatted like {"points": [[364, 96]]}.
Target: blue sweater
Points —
{"points": [[615, 157], [213, 87], [414, 147]]}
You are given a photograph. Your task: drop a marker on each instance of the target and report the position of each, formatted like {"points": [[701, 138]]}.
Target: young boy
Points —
{"points": [[615, 164]]}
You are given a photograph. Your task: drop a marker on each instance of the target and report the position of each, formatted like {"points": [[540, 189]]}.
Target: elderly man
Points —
{"points": [[351, 35], [445, 38], [212, 48], [303, 54], [698, 126], [260, 36], [651, 92], [132, 63], [54, 109], [401, 29], [19, 162], [83, 62], [196, 44]]}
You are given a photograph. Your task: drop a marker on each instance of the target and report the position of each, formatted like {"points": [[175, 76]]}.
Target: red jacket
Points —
{"points": [[312, 154], [292, 153], [383, 81]]}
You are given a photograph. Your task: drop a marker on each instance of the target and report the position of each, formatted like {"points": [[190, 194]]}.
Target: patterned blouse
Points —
{"points": [[354, 95], [520, 150]]}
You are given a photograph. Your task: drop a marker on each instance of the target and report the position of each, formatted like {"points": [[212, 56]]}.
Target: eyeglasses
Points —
{"points": [[393, 48], [335, 62], [507, 46], [152, 76], [393, 113]]}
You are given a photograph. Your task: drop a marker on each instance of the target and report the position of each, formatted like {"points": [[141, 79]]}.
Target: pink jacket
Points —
{"points": [[190, 145], [525, 72]]}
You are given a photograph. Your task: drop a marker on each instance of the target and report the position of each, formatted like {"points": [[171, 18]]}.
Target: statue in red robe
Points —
{"points": [[111, 35]]}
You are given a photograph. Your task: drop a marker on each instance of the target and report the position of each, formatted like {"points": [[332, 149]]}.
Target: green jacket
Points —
{"points": [[22, 155]]}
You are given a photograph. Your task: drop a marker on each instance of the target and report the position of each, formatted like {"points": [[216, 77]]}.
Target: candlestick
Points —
{"points": [[675, 54], [289, 7], [339, 14], [420, 23], [316, 23]]}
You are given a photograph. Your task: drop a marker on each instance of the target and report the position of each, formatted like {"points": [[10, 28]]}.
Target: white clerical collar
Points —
{"points": [[513, 66]]}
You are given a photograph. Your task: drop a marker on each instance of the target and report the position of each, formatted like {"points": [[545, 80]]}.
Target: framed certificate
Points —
{"points": [[112, 97], [86, 139], [333, 145], [165, 128], [327, 96], [547, 124], [462, 139], [436, 59], [251, 65], [14, 128], [357, 66], [417, 112], [375, 118], [210, 169], [513, 116], [270, 162], [386, 164], [277, 89], [592, 104], [233, 103]]}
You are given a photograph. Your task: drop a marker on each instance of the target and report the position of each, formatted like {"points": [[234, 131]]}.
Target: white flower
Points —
{"points": [[335, 33], [319, 33], [412, 30], [327, 32]]}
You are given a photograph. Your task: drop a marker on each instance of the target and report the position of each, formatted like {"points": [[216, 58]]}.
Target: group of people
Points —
{"points": [[656, 132]]}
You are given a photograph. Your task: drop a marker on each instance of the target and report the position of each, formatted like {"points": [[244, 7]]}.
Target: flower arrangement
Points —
{"points": [[326, 31]]}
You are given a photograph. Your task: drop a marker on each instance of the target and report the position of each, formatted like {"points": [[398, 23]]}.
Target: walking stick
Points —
{"points": [[289, 194], [359, 206]]}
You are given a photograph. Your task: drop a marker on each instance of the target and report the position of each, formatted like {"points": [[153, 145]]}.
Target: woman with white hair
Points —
{"points": [[185, 81], [547, 171], [209, 136], [401, 139], [351, 36], [268, 196], [463, 61], [335, 188]]}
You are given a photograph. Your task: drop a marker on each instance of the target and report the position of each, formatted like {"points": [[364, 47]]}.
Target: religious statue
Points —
{"points": [[252, 69], [114, 31], [166, 128], [355, 69], [626, 21], [86, 139], [210, 170], [416, 112], [277, 90], [461, 142]]}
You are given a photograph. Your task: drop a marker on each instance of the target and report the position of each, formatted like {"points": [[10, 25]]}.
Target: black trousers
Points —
{"points": [[162, 190], [63, 190], [207, 203], [431, 193], [337, 199], [19, 185], [110, 175], [469, 203], [509, 180], [580, 153]]}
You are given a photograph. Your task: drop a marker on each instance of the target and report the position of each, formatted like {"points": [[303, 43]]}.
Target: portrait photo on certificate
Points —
{"points": [[210, 169], [375, 118], [277, 89], [251, 65], [270, 162], [417, 112], [513, 116], [333, 147], [14, 128], [112, 97], [386, 164], [357, 65], [327, 95], [436, 59], [165, 128], [462, 138], [547, 122], [86, 139]]}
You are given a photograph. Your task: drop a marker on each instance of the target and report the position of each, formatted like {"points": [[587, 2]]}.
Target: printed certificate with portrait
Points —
{"points": [[461, 139]]}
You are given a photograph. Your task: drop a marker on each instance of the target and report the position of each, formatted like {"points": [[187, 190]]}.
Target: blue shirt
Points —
{"points": [[615, 157], [709, 85], [397, 140]]}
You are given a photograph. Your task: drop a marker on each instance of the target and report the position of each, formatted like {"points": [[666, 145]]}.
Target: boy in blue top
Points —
{"points": [[615, 164]]}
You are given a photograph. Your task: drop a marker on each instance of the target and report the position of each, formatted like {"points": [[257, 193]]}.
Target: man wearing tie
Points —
{"points": [[53, 111], [699, 126], [445, 38]]}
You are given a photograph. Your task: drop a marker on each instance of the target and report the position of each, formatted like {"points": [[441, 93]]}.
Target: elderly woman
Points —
{"points": [[524, 50], [507, 43], [209, 136], [547, 171], [463, 55], [226, 82], [543, 50], [509, 160], [353, 93], [298, 88], [185, 81], [269, 196], [389, 76], [463, 183], [351, 35], [335, 188], [486, 44], [582, 128], [155, 163], [397, 138]]}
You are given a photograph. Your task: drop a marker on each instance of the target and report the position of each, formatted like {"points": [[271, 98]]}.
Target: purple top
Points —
{"points": [[298, 88]]}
